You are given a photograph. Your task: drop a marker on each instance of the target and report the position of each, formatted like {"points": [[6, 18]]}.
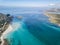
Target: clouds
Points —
{"points": [[52, 4], [55, 4]]}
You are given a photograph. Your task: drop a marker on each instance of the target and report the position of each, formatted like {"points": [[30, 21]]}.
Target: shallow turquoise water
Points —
{"points": [[33, 29], [34, 33]]}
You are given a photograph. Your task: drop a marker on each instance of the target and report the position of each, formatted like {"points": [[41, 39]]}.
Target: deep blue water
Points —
{"points": [[33, 29]]}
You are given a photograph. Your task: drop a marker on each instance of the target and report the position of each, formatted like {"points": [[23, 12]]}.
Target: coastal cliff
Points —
{"points": [[5, 20], [54, 16]]}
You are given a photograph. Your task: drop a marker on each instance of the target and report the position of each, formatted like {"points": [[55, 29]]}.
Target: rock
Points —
{"points": [[0, 41], [5, 20], [5, 42]]}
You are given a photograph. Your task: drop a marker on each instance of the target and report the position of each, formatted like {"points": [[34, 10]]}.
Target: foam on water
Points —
{"points": [[32, 30], [20, 35]]}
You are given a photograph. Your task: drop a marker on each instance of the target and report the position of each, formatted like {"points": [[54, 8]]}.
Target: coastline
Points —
{"points": [[8, 30], [3, 37]]}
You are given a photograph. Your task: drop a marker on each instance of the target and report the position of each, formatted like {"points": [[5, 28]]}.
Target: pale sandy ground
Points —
{"points": [[11, 28]]}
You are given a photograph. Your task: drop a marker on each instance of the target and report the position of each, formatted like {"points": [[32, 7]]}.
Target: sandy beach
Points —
{"points": [[8, 30]]}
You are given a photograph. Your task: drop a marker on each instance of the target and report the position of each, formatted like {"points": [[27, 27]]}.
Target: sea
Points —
{"points": [[33, 29]]}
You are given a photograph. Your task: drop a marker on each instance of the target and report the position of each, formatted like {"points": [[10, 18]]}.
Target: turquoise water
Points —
{"points": [[35, 33], [33, 29], [21, 36]]}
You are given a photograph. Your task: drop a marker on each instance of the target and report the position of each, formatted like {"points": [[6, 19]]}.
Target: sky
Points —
{"points": [[29, 3]]}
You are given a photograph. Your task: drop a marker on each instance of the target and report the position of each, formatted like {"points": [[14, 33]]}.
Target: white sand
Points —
{"points": [[9, 29]]}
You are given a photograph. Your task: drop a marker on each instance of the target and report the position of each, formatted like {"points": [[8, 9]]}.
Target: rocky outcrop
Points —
{"points": [[5, 42]]}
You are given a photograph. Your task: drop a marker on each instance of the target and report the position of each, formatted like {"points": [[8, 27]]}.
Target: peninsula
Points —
{"points": [[5, 20], [54, 15]]}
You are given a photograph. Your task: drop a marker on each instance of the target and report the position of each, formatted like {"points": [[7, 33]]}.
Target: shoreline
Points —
{"points": [[3, 37]]}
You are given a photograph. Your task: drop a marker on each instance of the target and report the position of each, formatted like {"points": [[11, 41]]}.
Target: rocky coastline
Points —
{"points": [[54, 16], [5, 20]]}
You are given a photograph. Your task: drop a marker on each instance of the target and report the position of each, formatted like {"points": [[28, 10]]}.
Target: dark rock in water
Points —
{"points": [[0, 41], [8, 15], [6, 42]]}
